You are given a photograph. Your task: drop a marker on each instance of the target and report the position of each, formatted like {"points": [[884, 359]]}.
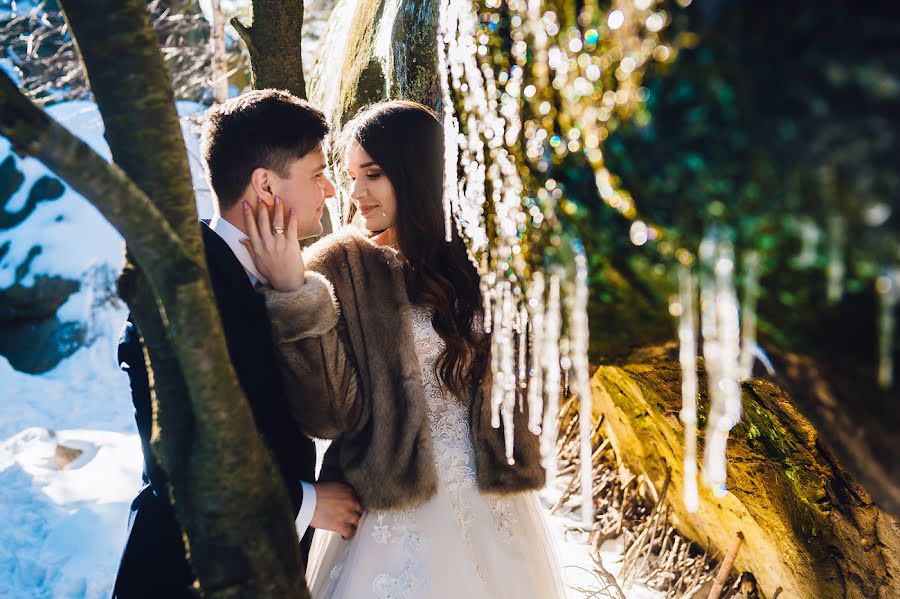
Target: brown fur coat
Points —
{"points": [[349, 364]]}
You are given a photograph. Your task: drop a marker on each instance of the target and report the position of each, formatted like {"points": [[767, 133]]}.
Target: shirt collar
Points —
{"points": [[233, 236]]}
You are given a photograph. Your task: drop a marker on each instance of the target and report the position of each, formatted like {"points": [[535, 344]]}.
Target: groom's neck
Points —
{"points": [[235, 216]]}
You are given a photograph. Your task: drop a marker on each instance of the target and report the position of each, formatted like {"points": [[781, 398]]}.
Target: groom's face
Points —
{"points": [[305, 189]]}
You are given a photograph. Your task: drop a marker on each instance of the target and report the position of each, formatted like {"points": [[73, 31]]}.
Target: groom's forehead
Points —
{"points": [[314, 160]]}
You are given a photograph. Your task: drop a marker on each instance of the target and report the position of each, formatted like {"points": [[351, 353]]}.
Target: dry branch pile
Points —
{"points": [[631, 507]]}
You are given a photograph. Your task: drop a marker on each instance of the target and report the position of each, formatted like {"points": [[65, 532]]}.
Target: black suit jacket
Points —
{"points": [[153, 562]]}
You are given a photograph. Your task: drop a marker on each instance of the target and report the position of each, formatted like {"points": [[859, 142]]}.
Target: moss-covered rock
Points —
{"points": [[807, 527], [372, 50]]}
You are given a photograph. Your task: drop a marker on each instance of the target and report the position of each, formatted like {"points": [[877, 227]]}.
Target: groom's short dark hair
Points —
{"points": [[265, 128]]}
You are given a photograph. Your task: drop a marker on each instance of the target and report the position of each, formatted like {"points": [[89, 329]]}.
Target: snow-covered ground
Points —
{"points": [[575, 556], [62, 530]]}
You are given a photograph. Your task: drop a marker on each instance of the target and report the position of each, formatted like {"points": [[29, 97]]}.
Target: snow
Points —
{"points": [[7, 66], [572, 548], [10, 9], [63, 530]]}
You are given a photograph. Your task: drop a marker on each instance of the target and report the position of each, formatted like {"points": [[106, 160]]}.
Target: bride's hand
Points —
{"points": [[274, 248]]}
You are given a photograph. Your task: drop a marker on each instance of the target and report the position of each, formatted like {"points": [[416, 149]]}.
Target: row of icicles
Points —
{"points": [[728, 341], [537, 316], [727, 338]]}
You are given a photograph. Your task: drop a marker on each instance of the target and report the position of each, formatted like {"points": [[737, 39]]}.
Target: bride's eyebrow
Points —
{"points": [[368, 164]]}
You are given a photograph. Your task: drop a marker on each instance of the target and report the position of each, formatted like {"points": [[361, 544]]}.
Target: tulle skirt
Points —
{"points": [[459, 544]]}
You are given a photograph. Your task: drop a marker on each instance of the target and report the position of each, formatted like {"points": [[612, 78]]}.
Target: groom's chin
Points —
{"points": [[313, 231]]}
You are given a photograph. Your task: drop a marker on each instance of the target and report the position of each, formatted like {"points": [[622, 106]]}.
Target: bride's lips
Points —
{"points": [[367, 210]]}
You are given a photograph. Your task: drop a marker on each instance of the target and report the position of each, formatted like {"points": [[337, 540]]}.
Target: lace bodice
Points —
{"points": [[448, 417]]}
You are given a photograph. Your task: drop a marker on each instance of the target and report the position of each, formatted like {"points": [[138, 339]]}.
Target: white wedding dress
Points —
{"points": [[458, 544]]}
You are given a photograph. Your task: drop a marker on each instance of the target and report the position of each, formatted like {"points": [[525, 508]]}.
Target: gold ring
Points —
{"points": [[278, 230]]}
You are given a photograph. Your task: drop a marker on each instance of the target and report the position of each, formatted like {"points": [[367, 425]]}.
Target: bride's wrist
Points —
{"points": [[287, 285]]}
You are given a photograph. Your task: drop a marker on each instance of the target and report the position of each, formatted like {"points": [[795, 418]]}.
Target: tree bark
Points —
{"points": [[273, 40], [134, 95], [227, 490]]}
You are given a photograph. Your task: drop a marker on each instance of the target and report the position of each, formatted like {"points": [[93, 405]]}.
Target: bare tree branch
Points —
{"points": [[32, 132]]}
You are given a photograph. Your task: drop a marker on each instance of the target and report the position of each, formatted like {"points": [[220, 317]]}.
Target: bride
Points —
{"points": [[382, 349]]}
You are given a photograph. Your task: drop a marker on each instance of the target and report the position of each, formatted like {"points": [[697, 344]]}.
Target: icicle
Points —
{"points": [[748, 315], [888, 288], [579, 337], [535, 297], [687, 356], [503, 356], [510, 386], [522, 342], [837, 236], [551, 367], [500, 351], [483, 185], [836, 268], [809, 243], [721, 351], [487, 292]]}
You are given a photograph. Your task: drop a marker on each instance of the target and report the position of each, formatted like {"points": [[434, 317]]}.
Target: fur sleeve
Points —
{"points": [[309, 311], [320, 381]]}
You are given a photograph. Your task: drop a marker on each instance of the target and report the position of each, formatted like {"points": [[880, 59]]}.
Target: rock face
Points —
{"points": [[32, 338], [807, 527]]}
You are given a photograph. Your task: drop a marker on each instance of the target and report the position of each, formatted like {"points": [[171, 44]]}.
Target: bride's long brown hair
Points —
{"points": [[406, 140]]}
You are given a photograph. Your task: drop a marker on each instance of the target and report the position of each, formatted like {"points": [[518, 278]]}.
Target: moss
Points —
{"points": [[412, 63]]}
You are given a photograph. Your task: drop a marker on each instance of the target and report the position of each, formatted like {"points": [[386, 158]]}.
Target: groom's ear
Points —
{"points": [[261, 182]]}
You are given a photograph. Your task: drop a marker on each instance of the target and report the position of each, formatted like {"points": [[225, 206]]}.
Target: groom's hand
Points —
{"points": [[337, 509], [274, 247]]}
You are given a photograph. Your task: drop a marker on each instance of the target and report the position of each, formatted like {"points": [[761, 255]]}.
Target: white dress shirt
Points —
{"points": [[233, 236]]}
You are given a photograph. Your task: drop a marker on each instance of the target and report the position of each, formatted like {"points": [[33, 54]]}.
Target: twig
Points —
{"points": [[725, 567]]}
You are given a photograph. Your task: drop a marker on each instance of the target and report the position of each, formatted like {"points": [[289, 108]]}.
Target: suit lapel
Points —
{"points": [[228, 276]]}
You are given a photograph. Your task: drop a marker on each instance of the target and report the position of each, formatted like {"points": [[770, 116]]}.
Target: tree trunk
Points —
{"points": [[273, 40], [227, 491]]}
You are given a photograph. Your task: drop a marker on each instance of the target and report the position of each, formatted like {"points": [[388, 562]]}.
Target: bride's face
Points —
{"points": [[370, 190]]}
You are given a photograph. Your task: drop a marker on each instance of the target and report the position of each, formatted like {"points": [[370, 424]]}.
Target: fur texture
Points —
{"points": [[318, 318], [360, 381]]}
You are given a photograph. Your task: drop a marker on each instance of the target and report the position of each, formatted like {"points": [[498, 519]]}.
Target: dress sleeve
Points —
{"points": [[320, 379]]}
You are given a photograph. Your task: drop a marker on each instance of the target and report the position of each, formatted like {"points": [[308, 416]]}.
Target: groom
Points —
{"points": [[256, 147]]}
